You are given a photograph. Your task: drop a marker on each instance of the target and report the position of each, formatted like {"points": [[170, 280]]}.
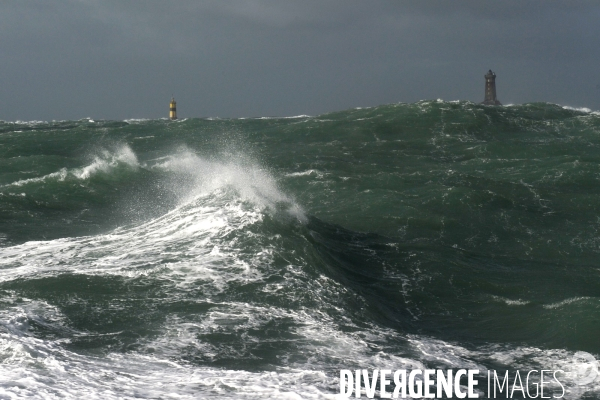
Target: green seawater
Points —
{"points": [[227, 258]]}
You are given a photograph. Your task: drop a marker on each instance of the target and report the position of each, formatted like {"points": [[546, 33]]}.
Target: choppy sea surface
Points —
{"points": [[255, 258]]}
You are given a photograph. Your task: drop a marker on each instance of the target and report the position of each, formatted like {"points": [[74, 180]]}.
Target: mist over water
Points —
{"points": [[255, 258]]}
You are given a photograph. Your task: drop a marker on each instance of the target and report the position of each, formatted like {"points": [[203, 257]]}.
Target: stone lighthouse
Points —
{"points": [[490, 90]]}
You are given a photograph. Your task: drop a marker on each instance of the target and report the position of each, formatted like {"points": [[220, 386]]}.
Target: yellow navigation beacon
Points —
{"points": [[173, 109]]}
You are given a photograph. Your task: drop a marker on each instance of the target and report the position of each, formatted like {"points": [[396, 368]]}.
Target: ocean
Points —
{"points": [[209, 258]]}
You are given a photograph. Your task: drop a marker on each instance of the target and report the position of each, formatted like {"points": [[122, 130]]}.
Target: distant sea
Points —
{"points": [[255, 258]]}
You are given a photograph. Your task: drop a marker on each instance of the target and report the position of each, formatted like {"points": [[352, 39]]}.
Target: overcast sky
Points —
{"points": [[69, 59]]}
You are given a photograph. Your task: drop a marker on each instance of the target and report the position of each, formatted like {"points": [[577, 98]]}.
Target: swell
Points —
{"points": [[291, 248]]}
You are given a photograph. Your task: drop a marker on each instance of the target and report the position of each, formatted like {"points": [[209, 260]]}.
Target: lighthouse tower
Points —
{"points": [[173, 109], [490, 90]]}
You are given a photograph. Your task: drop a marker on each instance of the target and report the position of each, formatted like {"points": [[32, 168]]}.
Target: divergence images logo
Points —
{"points": [[436, 384]]}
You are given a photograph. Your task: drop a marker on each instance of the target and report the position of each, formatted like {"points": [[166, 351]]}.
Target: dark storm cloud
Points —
{"points": [[114, 59]]}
